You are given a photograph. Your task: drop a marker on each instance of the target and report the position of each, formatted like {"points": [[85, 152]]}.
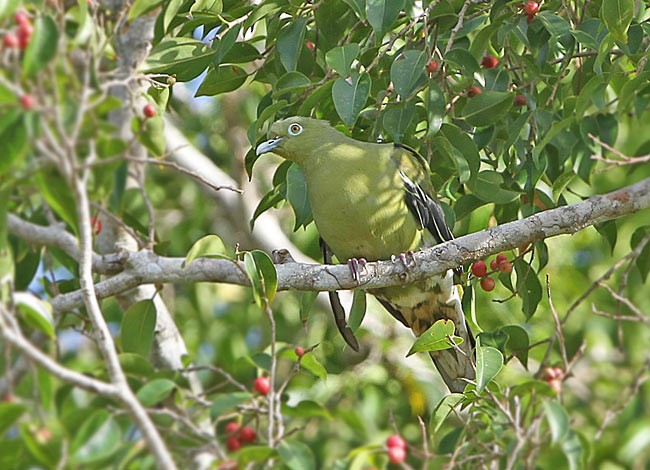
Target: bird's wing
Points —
{"points": [[420, 198]]}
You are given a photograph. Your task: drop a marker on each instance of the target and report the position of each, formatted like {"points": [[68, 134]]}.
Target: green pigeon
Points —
{"points": [[375, 201]]}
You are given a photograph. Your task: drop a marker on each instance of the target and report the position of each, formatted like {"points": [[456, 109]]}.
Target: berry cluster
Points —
{"points": [[21, 36], [396, 448], [236, 435], [499, 264], [554, 377]]}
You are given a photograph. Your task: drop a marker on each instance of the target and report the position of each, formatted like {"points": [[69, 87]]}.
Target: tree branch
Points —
{"points": [[147, 267]]}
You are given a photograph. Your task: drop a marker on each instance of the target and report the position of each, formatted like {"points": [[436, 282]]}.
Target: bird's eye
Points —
{"points": [[295, 129]]}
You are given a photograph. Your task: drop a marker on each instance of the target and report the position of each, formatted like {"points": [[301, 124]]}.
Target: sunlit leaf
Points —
{"points": [[438, 337], [137, 330]]}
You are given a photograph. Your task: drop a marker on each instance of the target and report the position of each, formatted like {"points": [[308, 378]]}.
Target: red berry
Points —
{"points": [[24, 34], [299, 351], [310, 45], [494, 265], [396, 454], [489, 62], [232, 427], [531, 8], [43, 435], [262, 385], [487, 284], [505, 266], [27, 102], [233, 444], [432, 66], [556, 385], [396, 441], [520, 100], [149, 110], [479, 269], [501, 258], [473, 91], [247, 434], [10, 41], [96, 225], [22, 18]]}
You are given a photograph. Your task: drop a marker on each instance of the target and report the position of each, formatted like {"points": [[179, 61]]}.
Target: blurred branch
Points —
{"points": [[624, 159], [147, 267]]}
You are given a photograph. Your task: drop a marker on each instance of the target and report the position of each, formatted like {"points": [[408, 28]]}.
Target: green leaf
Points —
{"points": [[13, 135], [341, 58], [558, 420], [152, 135], [528, 287], [643, 261], [42, 46], [136, 365], [208, 246], [184, 57], [487, 187], [297, 196], [290, 43], [291, 82], [436, 338], [140, 7], [9, 414], [381, 15], [137, 330], [443, 409], [561, 183], [487, 108], [489, 361], [617, 15], [296, 455], [252, 454], [155, 391], [212, 7], [435, 108], [263, 276], [358, 309], [99, 437], [609, 232], [313, 365], [223, 79], [407, 72], [517, 343], [36, 312], [58, 196], [350, 96], [228, 402], [396, 120]]}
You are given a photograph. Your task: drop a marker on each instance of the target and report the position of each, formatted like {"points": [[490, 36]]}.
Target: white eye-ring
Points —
{"points": [[295, 129]]}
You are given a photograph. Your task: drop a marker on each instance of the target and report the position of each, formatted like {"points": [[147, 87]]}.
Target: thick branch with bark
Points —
{"points": [[146, 267]]}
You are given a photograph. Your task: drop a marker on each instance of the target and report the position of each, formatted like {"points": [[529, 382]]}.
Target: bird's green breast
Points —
{"points": [[357, 200]]}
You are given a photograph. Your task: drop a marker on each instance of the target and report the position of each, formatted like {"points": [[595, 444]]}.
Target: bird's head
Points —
{"points": [[293, 138]]}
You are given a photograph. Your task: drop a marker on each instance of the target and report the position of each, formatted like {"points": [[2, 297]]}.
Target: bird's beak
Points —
{"points": [[268, 146]]}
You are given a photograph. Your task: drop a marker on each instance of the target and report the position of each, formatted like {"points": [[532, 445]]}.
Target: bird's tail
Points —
{"points": [[455, 364]]}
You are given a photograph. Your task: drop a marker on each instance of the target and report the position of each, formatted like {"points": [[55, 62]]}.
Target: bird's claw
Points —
{"points": [[357, 265], [407, 259]]}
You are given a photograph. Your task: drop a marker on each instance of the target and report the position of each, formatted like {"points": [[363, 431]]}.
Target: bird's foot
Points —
{"points": [[357, 266], [407, 259]]}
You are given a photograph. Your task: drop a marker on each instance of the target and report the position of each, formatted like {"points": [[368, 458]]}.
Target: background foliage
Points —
{"points": [[403, 71]]}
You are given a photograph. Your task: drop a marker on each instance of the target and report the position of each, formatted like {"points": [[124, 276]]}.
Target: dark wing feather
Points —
{"points": [[419, 194]]}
